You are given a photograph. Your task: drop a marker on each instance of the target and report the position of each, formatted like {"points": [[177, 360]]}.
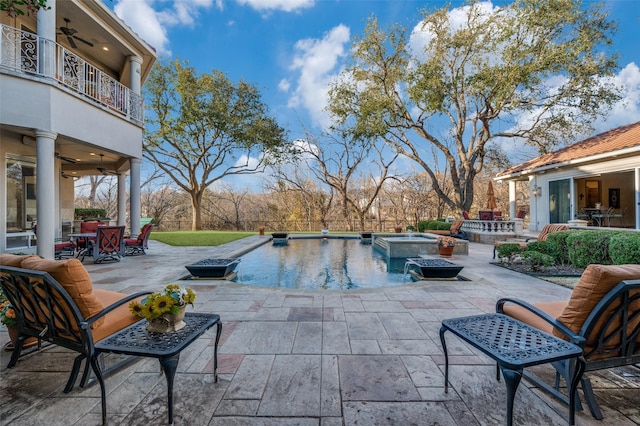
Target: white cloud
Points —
{"points": [[317, 60], [627, 110], [152, 25], [284, 5], [284, 85]]}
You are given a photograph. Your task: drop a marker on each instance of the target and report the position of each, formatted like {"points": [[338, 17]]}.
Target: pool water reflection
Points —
{"points": [[315, 263]]}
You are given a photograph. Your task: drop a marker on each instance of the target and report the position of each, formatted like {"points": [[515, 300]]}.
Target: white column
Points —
{"points": [[513, 208], [122, 199], [46, 20], [134, 196], [45, 192], [637, 185], [135, 62]]}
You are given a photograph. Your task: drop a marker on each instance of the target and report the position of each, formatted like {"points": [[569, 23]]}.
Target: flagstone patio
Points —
{"points": [[307, 357]]}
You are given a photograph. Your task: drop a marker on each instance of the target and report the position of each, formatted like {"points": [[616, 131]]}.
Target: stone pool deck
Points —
{"points": [[308, 357]]}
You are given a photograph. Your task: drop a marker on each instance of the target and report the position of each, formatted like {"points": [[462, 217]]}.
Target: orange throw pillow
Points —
{"points": [[75, 279], [9, 259], [596, 281]]}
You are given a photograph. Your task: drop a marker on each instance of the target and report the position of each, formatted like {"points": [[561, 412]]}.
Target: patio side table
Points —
{"points": [[514, 345], [137, 341]]}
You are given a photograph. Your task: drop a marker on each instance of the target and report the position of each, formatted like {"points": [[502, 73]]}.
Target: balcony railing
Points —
{"points": [[28, 54]]}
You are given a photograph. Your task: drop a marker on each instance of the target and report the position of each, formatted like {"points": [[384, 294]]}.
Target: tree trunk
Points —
{"points": [[196, 214]]}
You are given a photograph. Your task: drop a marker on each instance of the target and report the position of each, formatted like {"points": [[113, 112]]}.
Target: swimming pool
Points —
{"points": [[317, 263]]}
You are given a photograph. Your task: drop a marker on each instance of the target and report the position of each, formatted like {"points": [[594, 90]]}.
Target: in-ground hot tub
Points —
{"points": [[414, 246]]}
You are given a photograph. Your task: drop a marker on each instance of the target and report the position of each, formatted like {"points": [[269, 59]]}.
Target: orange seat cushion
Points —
{"points": [[115, 320], [554, 309], [75, 279]]}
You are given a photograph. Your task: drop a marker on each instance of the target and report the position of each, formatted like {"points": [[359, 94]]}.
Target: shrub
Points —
{"points": [[624, 248], [444, 226], [81, 214], [426, 225], [422, 225], [508, 251], [537, 260], [541, 247], [433, 224], [587, 247], [556, 246]]}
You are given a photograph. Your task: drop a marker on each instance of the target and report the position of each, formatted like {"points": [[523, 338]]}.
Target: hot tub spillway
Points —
{"points": [[403, 247]]}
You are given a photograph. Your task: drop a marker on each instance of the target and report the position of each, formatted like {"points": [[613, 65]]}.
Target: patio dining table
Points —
{"points": [[598, 216], [77, 235]]}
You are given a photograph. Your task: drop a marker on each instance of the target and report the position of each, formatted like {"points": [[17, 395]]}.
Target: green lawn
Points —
{"points": [[197, 238]]}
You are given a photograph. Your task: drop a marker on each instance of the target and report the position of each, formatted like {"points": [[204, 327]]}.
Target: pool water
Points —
{"points": [[320, 264]]}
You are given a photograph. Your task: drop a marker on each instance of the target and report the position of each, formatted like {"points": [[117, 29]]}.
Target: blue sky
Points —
{"points": [[290, 49]]}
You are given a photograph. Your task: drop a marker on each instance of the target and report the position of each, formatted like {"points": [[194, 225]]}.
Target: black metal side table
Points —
{"points": [[137, 341], [514, 345]]}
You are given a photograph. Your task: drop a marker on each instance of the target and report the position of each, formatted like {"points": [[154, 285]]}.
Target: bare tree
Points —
{"points": [[342, 164]]}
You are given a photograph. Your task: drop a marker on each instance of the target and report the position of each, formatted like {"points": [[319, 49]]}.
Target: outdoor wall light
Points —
{"points": [[536, 191]]}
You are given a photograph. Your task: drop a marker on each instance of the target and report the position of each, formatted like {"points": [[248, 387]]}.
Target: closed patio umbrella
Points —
{"points": [[491, 199]]}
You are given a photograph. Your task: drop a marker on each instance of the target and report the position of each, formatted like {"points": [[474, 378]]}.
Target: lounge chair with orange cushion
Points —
{"points": [[602, 316], [549, 228], [55, 301]]}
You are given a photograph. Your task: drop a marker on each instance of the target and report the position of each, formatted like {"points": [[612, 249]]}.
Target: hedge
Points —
{"points": [[584, 247], [426, 225], [624, 248], [85, 213], [587, 247]]}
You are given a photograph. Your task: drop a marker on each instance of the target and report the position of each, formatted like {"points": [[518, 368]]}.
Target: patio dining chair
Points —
{"points": [[108, 246], [138, 245], [88, 227], [603, 219], [619, 216], [63, 247]]}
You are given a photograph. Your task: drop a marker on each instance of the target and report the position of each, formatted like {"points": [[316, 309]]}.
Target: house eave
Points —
{"points": [[626, 152]]}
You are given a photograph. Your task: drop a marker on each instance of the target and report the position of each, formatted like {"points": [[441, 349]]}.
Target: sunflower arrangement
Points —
{"points": [[171, 300]]}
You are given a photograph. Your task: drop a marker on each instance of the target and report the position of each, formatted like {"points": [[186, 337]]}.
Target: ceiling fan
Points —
{"points": [[104, 170], [66, 159], [71, 35]]}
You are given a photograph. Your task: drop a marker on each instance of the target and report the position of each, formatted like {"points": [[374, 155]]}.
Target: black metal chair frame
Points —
{"points": [[616, 346], [46, 311], [68, 250]]}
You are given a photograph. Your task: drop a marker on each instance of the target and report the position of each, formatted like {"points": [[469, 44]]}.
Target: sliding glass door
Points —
{"points": [[559, 201]]}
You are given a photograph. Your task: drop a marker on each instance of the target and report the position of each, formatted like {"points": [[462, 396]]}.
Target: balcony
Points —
{"points": [[27, 54]]}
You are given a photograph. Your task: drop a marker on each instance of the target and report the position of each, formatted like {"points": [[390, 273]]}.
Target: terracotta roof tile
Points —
{"points": [[612, 140]]}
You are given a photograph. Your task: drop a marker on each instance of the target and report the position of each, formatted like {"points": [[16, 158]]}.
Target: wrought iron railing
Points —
{"points": [[26, 53]]}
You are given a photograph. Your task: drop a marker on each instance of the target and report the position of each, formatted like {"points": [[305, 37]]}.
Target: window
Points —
{"points": [[21, 193]]}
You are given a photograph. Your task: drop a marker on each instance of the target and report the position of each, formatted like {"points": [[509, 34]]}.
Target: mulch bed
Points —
{"points": [[564, 275]]}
